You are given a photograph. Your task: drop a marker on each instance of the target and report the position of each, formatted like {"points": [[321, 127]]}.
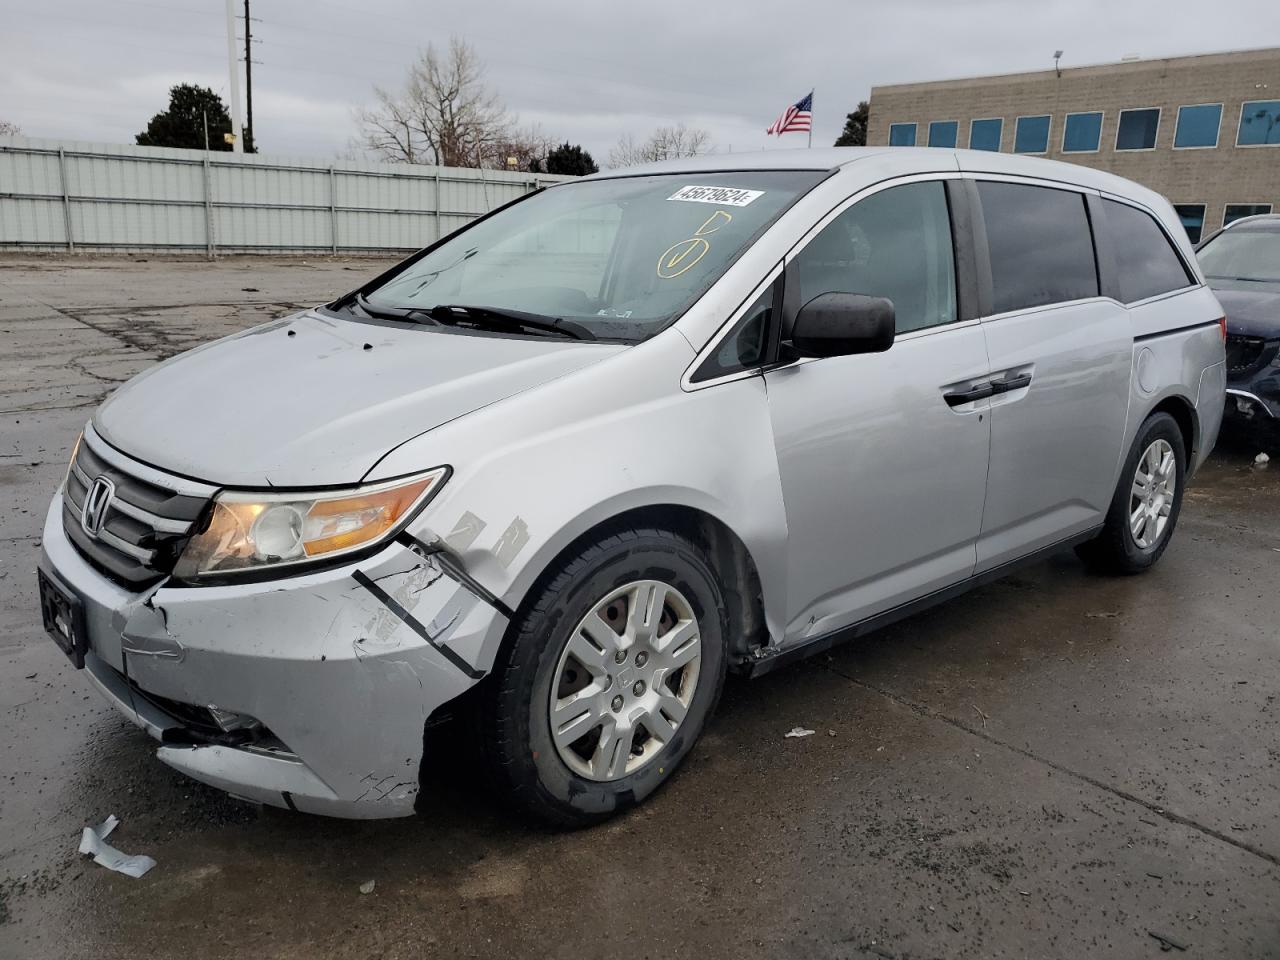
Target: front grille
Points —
{"points": [[144, 527], [1244, 355]]}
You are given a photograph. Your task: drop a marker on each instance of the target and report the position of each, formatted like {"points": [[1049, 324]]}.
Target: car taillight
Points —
{"points": [[1222, 325]]}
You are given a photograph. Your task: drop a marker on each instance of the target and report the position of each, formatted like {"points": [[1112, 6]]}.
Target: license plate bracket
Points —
{"points": [[63, 615]]}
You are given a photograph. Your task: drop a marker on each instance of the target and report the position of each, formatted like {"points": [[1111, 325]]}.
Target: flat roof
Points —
{"points": [[1114, 66]]}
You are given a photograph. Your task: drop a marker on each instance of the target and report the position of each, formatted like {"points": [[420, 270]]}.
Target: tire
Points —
{"points": [[572, 784], [1118, 550]]}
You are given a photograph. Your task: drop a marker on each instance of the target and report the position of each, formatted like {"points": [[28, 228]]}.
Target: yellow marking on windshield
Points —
{"points": [[684, 255]]}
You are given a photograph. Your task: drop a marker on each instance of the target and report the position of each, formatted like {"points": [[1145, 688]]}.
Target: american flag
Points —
{"points": [[797, 118]]}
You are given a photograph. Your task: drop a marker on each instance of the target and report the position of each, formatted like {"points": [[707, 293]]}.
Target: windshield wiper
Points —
{"points": [[501, 318], [413, 315]]}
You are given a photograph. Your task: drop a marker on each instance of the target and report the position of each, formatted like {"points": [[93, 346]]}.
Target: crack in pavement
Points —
{"points": [[929, 713]]}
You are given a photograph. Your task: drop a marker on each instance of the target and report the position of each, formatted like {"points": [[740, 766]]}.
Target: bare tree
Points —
{"points": [[528, 148], [445, 114], [8, 129], [665, 143]]}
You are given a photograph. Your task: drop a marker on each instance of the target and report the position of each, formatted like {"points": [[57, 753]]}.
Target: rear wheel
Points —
{"points": [[609, 678], [1144, 510]]}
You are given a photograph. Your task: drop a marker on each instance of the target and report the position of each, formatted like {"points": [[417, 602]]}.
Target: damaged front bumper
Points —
{"points": [[309, 692], [1253, 377]]}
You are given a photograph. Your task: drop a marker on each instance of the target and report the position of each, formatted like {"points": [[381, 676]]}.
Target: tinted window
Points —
{"points": [[1259, 123], [985, 134], [895, 244], [1137, 129], [1145, 259], [1198, 126], [902, 134], [1236, 211], [1031, 135], [942, 133], [744, 347], [1082, 133], [1192, 217], [1040, 245]]}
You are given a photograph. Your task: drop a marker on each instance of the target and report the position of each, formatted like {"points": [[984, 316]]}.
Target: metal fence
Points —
{"points": [[64, 195]]}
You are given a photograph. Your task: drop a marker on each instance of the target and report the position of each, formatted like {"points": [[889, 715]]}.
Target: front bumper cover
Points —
{"points": [[344, 666]]}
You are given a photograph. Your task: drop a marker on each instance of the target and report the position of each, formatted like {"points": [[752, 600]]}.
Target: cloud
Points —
{"points": [[583, 72]]}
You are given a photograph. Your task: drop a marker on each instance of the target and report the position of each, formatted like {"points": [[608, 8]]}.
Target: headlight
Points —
{"points": [[250, 531]]}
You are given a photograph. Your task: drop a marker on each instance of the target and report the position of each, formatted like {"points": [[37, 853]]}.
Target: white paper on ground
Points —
{"points": [[93, 842]]}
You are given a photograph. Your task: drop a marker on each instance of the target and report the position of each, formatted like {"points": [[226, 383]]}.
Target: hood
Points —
{"points": [[1252, 307], [316, 401]]}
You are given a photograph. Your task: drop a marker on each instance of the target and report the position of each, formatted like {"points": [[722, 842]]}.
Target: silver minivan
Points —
{"points": [[565, 468]]}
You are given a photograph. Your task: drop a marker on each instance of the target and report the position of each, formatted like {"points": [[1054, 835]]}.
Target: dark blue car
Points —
{"points": [[1242, 264]]}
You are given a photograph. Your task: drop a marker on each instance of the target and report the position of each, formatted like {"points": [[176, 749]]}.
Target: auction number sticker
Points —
{"points": [[723, 196]]}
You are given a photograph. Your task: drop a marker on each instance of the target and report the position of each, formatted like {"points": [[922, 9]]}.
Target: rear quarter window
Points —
{"points": [[1146, 260], [1039, 243]]}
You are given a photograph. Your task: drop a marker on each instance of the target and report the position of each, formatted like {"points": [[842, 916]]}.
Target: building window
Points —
{"points": [[902, 134], [1198, 126], [1031, 135], [1137, 129], [1192, 217], [1259, 123], [1236, 211], [942, 133], [985, 134], [1082, 133]]}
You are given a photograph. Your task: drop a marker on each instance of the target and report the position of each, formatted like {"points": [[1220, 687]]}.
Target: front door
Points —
{"points": [[883, 462]]}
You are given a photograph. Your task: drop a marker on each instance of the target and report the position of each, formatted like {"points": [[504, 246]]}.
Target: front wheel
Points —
{"points": [[1144, 510], [608, 678]]}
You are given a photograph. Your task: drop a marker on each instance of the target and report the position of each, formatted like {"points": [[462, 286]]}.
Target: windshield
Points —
{"points": [[622, 258], [1242, 255]]}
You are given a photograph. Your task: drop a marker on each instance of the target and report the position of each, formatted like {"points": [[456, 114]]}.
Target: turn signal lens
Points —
{"points": [[249, 531], [1222, 323], [75, 452]]}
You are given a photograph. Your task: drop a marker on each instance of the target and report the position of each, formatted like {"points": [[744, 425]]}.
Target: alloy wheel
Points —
{"points": [[1151, 498]]}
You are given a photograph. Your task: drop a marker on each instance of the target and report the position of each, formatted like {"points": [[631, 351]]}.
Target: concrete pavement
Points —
{"points": [[1056, 765]]}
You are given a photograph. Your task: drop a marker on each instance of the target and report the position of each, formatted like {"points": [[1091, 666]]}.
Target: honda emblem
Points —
{"points": [[96, 502]]}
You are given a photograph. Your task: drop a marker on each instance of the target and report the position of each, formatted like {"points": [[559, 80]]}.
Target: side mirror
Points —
{"points": [[839, 324]]}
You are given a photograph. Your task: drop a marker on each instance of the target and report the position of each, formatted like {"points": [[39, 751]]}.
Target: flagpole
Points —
{"points": [[811, 92]]}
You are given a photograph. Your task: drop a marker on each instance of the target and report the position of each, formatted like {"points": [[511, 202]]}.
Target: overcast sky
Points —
{"points": [[585, 72]]}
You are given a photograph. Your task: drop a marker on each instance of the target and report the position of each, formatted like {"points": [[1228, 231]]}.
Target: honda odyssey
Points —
{"points": [[566, 467]]}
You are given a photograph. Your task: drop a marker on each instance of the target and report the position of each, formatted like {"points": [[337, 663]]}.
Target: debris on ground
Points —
{"points": [[1262, 459], [1103, 615], [799, 732], [1167, 942], [984, 717], [93, 842], [367, 886]]}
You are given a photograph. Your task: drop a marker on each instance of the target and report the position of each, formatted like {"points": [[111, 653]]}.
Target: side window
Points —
{"points": [[1040, 246], [1145, 259], [894, 244], [745, 346]]}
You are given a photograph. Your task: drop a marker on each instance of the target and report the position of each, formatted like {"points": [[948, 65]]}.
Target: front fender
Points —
{"points": [[521, 494]]}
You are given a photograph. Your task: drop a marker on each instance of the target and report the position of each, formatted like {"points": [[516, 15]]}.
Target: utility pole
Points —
{"points": [[248, 82], [232, 62]]}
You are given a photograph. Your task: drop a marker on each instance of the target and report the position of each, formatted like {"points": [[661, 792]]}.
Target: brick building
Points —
{"points": [[1202, 130]]}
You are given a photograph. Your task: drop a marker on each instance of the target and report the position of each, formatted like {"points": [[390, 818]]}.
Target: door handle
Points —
{"points": [[1008, 384], [980, 392]]}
